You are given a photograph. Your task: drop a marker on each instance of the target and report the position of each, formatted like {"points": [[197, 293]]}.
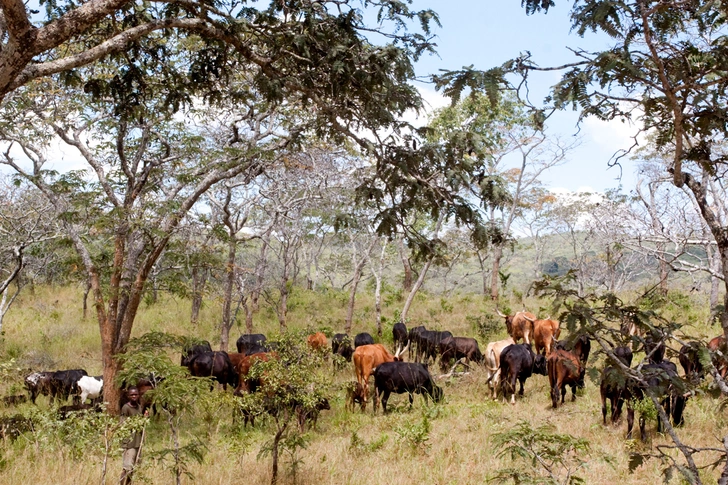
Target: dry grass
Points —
{"points": [[459, 448]]}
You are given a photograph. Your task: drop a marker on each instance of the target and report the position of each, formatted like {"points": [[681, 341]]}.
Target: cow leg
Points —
{"points": [[520, 390], [604, 409], [411, 398], [573, 392], [630, 421], [643, 435], [385, 398]]}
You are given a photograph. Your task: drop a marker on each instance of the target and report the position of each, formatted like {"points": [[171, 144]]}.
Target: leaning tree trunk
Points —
{"points": [[283, 304], [199, 281], [408, 273]]}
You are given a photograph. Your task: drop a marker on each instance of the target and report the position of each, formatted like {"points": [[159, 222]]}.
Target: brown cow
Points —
{"points": [[520, 325], [317, 342], [366, 358], [718, 344], [243, 368], [564, 369], [544, 334], [492, 363]]}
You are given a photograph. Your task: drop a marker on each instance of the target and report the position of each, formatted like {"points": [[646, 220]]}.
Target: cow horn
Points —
{"points": [[396, 353], [500, 314], [404, 349], [529, 319]]}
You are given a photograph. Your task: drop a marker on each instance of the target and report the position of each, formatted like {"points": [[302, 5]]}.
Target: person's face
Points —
{"points": [[134, 397]]}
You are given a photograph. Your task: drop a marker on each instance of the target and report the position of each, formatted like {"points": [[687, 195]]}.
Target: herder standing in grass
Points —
{"points": [[133, 444]]}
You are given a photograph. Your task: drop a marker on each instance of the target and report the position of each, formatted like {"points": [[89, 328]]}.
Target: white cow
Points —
{"points": [[90, 387], [492, 363]]}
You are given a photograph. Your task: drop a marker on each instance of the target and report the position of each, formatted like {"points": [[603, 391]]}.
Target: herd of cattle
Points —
{"points": [[506, 362]]}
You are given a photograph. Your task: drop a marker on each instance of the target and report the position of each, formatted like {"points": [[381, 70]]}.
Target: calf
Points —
{"points": [[366, 359], [248, 342], [518, 362], [90, 387], [310, 415], [564, 369], [403, 377], [519, 325], [363, 339], [457, 348], [544, 334], [492, 363], [355, 394]]}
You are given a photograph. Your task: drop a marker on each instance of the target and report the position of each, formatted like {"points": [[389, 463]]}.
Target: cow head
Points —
{"points": [[509, 321], [399, 354], [539, 364]]}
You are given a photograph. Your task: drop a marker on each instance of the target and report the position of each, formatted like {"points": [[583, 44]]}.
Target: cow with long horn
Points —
{"points": [[519, 325]]}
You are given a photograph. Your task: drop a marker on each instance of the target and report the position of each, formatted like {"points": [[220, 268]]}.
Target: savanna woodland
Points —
{"points": [[244, 178]]}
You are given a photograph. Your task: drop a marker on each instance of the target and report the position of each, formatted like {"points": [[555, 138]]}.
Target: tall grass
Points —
{"points": [[46, 331]]}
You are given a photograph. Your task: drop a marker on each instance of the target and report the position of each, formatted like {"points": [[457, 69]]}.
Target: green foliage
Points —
{"points": [[543, 456], [486, 325], [358, 446], [415, 433]]}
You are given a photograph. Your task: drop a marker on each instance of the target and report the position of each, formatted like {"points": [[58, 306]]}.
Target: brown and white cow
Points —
{"points": [[545, 332], [717, 346], [519, 325], [366, 359], [492, 363]]}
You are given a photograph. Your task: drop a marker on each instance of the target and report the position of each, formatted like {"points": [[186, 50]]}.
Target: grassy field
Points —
{"points": [[442, 444]]}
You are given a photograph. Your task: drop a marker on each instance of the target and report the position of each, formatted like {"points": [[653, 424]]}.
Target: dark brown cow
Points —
{"points": [[366, 359], [520, 325], [545, 332], [455, 348], [564, 369]]}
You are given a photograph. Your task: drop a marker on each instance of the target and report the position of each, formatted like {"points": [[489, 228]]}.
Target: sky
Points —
{"points": [[487, 33]]}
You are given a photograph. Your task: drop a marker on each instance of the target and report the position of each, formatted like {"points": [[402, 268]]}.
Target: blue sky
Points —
{"points": [[488, 33]]}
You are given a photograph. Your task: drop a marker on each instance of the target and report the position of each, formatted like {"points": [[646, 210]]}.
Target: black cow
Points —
{"points": [[429, 344], [654, 349], [458, 347], [64, 383], [341, 345], [399, 335], [518, 362], [363, 339], [251, 343], [214, 364], [613, 386], [689, 358], [663, 382], [414, 340], [192, 351], [403, 377]]}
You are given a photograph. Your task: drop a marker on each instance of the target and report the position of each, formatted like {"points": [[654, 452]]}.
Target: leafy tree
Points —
{"points": [[509, 153]]}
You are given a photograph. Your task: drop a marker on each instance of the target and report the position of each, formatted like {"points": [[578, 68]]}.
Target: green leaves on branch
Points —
{"points": [[549, 458]]}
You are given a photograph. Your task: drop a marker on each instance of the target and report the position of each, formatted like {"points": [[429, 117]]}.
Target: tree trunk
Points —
{"points": [[352, 297], [408, 273], [283, 305], [199, 281], [85, 298], [227, 322], [714, 286], [494, 276], [378, 290]]}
